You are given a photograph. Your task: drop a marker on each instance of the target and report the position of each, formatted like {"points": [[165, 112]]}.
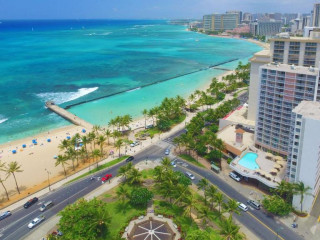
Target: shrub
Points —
{"points": [[276, 205], [140, 197]]}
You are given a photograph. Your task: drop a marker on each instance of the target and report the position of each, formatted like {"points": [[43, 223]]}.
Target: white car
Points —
{"points": [[190, 175], [173, 164], [36, 221], [234, 176], [242, 206], [167, 152], [135, 143]]}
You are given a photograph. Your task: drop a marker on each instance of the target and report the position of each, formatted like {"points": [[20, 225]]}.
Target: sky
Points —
{"points": [[142, 9]]}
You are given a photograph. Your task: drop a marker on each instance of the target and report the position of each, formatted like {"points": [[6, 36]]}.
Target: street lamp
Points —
{"points": [[48, 178]]}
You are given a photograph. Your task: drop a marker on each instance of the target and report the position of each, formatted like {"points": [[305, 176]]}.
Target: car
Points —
{"points": [[149, 126], [254, 204], [235, 176], [5, 215], [129, 159], [167, 152], [36, 221], [30, 202], [173, 164], [242, 206], [190, 175], [45, 206], [135, 143]]}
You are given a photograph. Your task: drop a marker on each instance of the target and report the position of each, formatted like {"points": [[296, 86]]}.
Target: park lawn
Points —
{"points": [[121, 214], [103, 166], [190, 159], [147, 173]]}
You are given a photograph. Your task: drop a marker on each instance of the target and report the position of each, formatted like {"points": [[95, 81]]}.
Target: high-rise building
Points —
{"points": [[220, 22], [316, 15], [265, 28], [304, 153], [236, 12], [247, 17], [281, 88]]}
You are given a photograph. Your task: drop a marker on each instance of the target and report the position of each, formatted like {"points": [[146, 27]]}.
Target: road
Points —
{"points": [[15, 226]]}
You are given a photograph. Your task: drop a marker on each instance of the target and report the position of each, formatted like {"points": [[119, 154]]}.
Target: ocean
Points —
{"points": [[115, 67]]}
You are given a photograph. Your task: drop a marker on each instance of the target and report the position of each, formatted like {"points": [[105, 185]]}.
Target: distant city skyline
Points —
{"points": [[142, 9]]}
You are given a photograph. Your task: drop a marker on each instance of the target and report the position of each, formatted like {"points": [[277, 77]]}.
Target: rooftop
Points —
{"points": [[292, 68], [239, 116], [308, 109], [295, 39]]}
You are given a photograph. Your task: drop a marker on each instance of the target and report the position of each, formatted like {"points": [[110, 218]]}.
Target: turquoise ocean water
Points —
{"points": [[74, 61]]}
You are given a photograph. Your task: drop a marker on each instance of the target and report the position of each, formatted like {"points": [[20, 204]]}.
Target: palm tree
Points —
{"points": [[178, 141], [62, 160], [134, 176], [302, 190], [96, 154], [96, 129], [124, 170], [108, 135], [166, 163], [85, 141], [70, 155], [158, 173], [203, 185], [2, 180], [231, 206], [64, 144], [211, 194], [229, 230], [122, 193], [219, 200], [11, 169], [92, 137], [101, 140], [145, 114], [204, 213], [118, 144], [189, 203]]}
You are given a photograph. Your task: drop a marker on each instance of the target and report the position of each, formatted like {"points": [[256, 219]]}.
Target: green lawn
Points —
{"points": [[103, 166], [190, 159]]}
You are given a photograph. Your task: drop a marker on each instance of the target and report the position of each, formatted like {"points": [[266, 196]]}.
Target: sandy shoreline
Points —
{"points": [[34, 159]]}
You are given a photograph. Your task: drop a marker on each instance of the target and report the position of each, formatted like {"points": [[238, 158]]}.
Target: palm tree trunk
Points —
{"points": [[5, 190], [64, 169], [73, 164], [16, 182]]}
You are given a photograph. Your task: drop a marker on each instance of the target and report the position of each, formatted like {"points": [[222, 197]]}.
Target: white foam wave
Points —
{"points": [[3, 120], [63, 97], [98, 34], [144, 26], [135, 89]]}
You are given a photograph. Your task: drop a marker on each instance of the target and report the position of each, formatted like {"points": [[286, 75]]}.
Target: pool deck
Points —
{"points": [[265, 165]]}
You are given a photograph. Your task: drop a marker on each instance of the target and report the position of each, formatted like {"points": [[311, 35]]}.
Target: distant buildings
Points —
{"points": [[236, 12], [220, 22], [303, 160], [316, 15], [265, 28]]}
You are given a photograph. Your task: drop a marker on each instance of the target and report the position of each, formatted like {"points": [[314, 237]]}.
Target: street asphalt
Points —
{"points": [[257, 221]]}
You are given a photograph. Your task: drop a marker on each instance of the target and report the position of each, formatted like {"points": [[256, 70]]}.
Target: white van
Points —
{"points": [[45, 206]]}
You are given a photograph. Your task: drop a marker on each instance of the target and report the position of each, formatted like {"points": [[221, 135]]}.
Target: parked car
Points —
{"points": [[254, 204], [129, 159], [167, 152], [135, 143], [190, 175], [45, 206], [30, 202], [36, 221], [149, 126], [242, 206], [173, 163], [5, 215], [235, 176]]}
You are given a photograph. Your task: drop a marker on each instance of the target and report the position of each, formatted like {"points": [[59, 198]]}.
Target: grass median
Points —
{"points": [[103, 166], [190, 159]]}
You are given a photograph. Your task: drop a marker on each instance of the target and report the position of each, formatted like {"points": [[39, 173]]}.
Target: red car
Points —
{"points": [[106, 177]]}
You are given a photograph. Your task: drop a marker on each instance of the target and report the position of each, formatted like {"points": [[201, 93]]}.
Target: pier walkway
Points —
{"points": [[68, 115]]}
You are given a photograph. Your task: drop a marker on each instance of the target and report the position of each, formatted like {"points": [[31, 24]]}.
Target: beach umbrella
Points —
{"points": [[269, 176], [48, 140], [269, 155], [55, 156], [258, 171], [83, 130], [14, 151], [278, 158], [24, 145], [262, 173], [68, 137], [277, 166], [274, 171]]}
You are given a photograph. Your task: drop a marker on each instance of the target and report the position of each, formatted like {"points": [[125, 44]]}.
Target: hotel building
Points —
{"points": [[316, 15], [265, 28], [304, 157], [220, 22]]}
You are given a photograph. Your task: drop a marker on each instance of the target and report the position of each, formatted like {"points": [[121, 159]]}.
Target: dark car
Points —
{"points": [[30, 202], [129, 159], [5, 215]]}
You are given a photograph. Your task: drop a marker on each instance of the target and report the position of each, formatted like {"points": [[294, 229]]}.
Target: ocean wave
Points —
{"points": [[3, 120], [63, 97], [98, 34], [135, 89]]}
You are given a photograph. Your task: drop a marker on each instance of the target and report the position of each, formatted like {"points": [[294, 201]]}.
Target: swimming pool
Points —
{"points": [[249, 161]]}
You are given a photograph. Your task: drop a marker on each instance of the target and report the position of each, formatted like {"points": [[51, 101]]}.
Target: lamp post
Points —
{"points": [[48, 178]]}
